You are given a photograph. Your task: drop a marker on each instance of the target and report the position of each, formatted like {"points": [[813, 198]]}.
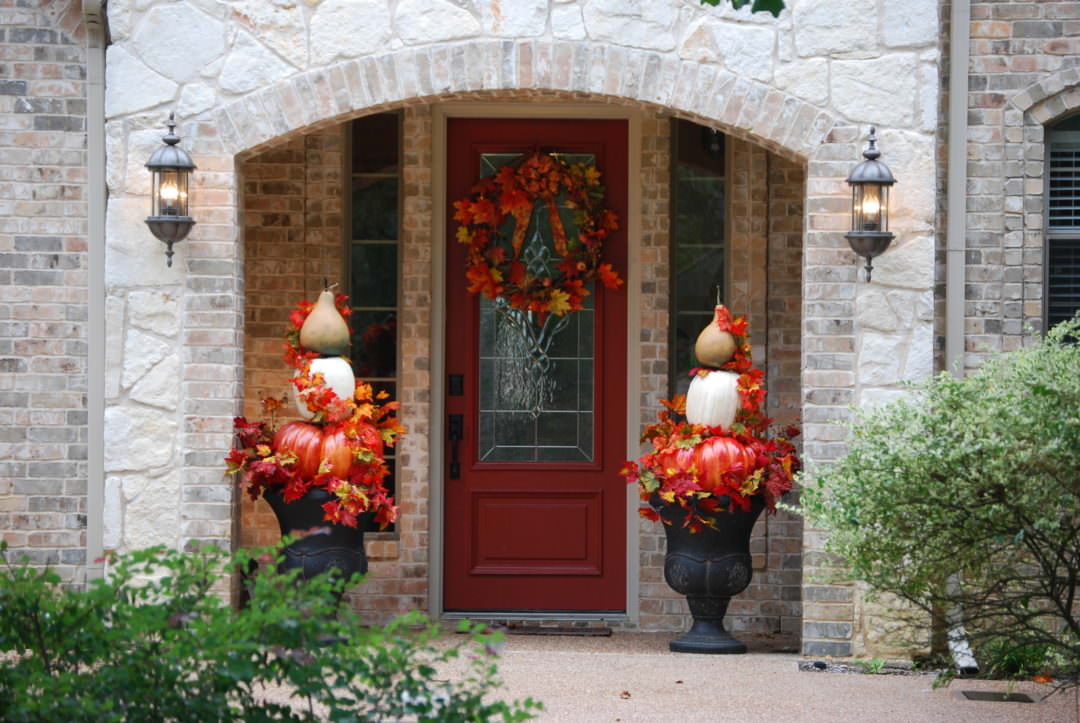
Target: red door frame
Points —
{"points": [[589, 573]]}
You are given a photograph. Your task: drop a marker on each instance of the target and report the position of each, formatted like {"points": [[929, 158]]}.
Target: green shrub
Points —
{"points": [[153, 642], [1003, 658], [964, 499]]}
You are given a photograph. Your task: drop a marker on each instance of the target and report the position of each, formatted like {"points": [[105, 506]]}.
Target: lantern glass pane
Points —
{"points": [[168, 193], [182, 178], [869, 207]]}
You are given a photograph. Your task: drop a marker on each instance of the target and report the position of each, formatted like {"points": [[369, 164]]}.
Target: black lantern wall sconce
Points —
{"points": [[870, 182], [170, 167]]}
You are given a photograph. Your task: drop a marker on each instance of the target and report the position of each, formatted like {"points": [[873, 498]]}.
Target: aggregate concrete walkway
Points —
{"points": [[632, 677]]}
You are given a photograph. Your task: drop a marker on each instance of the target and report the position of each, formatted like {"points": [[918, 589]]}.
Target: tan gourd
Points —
{"points": [[324, 330], [714, 348], [713, 399]]}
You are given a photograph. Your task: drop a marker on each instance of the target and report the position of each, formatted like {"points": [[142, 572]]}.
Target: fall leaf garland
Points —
{"points": [[361, 489], [660, 476], [496, 269]]}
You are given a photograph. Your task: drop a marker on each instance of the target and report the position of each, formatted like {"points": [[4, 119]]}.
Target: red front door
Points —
{"points": [[535, 512]]}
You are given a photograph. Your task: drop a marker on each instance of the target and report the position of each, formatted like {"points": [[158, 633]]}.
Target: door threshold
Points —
{"points": [[512, 616]]}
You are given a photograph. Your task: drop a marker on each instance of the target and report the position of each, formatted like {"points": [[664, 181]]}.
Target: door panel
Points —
{"points": [[536, 519]]}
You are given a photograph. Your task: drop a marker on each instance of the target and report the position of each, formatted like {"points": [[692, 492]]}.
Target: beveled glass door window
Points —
{"points": [[536, 377]]}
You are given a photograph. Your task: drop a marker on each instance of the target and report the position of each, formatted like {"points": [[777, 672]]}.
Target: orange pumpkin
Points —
{"points": [[312, 444], [676, 458], [336, 451], [716, 456]]}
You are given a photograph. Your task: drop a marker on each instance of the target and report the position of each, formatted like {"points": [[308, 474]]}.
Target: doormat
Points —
{"points": [[558, 630], [995, 697]]}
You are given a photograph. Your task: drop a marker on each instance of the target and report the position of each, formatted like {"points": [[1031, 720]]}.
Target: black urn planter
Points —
{"points": [[709, 567], [328, 546]]}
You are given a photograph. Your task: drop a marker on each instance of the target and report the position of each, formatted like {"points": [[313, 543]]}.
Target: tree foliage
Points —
{"points": [[152, 642], [770, 6], [964, 499]]}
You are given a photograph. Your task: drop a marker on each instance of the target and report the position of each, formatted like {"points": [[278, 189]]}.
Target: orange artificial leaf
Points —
{"points": [[608, 276]]}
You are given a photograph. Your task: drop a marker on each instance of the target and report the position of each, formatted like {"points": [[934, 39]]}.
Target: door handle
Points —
{"points": [[456, 429]]}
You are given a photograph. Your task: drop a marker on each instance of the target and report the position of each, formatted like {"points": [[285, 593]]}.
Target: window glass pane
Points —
{"points": [[374, 275], [374, 177], [374, 208], [699, 247], [374, 343], [1063, 294], [375, 144]]}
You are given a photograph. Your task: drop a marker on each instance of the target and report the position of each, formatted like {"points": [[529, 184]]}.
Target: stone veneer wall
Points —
{"points": [[246, 75], [1023, 75], [43, 284]]}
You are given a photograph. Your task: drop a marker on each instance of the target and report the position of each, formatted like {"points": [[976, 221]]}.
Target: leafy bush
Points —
{"points": [[153, 642], [1003, 658], [964, 499]]}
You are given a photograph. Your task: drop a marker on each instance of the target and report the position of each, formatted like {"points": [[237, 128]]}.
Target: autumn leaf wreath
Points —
{"points": [[496, 269]]}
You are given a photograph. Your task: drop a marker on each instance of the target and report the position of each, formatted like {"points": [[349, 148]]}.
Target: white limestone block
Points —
{"points": [[912, 201], [160, 387], [133, 256], [431, 21], [929, 97], [112, 514], [648, 24], [153, 517], [114, 343], [880, 91], [513, 18], [141, 144], [277, 23], [807, 79], [156, 310], [908, 23], [879, 358], [194, 99], [120, 16], [130, 85], [251, 65], [349, 29], [566, 22], [919, 363], [137, 438], [874, 311], [909, 264], [141, 352], [177, 40], [115, 156], [743, 49], [824, 27]]}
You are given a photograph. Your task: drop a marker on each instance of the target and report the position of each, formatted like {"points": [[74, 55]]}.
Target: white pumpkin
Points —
{"points": [[713, 399], [339, 377]]}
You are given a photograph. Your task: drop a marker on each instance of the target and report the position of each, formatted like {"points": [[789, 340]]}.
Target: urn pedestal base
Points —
{"points": [[707, 635], [709, 567]]}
